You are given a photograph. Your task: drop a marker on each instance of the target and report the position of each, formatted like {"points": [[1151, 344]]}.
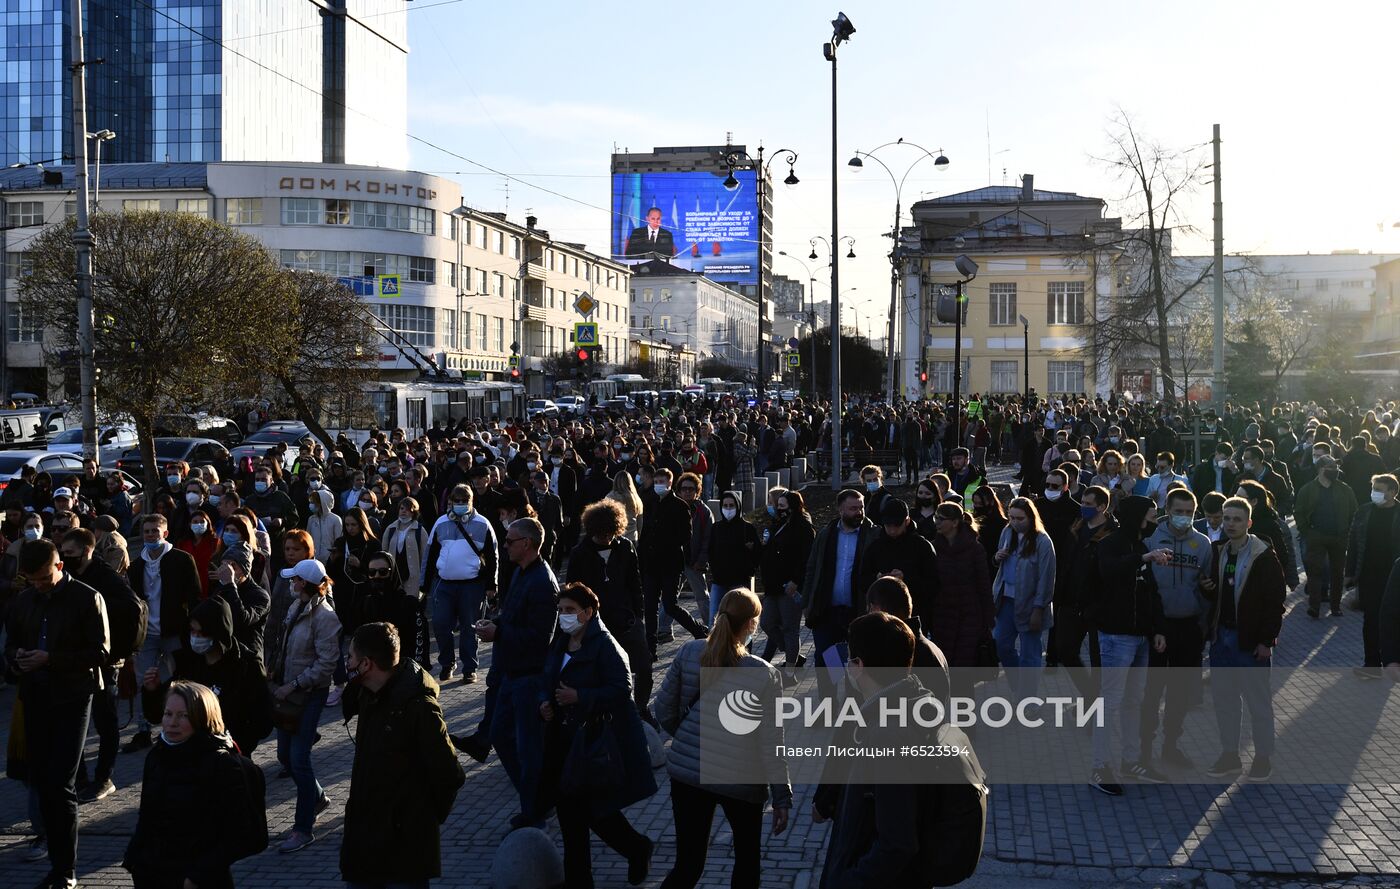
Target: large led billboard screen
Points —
{"points": [[691, 220]]}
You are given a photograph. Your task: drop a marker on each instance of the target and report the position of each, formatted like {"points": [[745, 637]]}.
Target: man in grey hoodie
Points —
{"points": [[1176, 671]]}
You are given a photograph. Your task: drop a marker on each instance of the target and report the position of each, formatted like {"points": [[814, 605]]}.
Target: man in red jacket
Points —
{"points": [[1246, 589]]}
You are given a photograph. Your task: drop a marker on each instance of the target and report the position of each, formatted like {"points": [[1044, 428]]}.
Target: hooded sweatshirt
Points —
{"points": [[1177, 580], [324, 526]]}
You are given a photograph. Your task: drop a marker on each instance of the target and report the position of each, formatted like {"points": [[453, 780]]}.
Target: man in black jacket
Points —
{"points": [[898, 551], [831, 587], [550, 510], [248, 603], [56, 648], [76, 552], [1127, 611], [661, 546], [403, 764], [1058, 512], [169, 582]]}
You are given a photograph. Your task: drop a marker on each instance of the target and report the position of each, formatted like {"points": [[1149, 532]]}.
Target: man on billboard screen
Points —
{"points": [[651, 238]]}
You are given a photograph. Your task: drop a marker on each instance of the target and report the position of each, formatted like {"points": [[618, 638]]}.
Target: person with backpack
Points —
{"points": [[405, 775], [901, 833], [126, 628], [199, 811], [218, 660]]}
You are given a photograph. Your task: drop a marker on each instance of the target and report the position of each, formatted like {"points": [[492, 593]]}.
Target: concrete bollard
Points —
{"points": [[785, 478], [527, 859], [799, 472], [713, 505], [760, 494], [774, 479]]}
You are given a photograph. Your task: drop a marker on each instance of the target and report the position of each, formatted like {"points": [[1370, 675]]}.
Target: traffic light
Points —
{"points": [[583, 355], [515, 373], [949, 300], [923, 376]]}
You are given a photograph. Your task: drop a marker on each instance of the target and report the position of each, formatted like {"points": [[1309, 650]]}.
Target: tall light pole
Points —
{"points": [[841, 31], [811, 314], [1025, 357], [82, 238], [1217, 383], [856, 163], [742, 161], [953, 312]]}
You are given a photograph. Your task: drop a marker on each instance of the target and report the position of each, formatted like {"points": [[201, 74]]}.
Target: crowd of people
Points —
{"points": [[241, 602]]}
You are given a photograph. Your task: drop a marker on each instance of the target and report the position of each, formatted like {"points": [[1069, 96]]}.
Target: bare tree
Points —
{"points": [[1289, 336], [1151, 285], [334, 352], [180, 303]]}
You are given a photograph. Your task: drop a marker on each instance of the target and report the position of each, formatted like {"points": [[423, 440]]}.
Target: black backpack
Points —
{"points": [[953, 816], [127, 616], [250, 825]]}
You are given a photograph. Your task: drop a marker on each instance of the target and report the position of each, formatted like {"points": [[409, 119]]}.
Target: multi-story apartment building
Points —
{"points": [[688, 308], [460, 303]]}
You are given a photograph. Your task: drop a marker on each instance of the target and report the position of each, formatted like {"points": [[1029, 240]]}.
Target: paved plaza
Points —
{"points": [[1038, 835]]}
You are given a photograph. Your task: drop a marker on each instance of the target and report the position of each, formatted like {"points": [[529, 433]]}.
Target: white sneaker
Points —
{"points": [[334, 697]]}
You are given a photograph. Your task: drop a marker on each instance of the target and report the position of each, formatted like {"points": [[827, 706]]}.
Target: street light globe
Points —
{"points": [[941, 162], [856, 164], [730, 183]]}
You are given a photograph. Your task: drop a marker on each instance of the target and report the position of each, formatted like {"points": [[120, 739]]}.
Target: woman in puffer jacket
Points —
{"points": [[679, 711]]}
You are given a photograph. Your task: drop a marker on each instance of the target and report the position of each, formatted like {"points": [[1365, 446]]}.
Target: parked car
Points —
{"points": [[112, 442], [618, 403], [54, 463], [541, 407], [30, 428], [269, 436], [194, 451], [571, 405], [203, 425]]}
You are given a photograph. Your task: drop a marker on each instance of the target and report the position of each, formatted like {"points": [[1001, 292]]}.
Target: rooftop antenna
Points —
{"points": [[507, 191], [728, 138]]}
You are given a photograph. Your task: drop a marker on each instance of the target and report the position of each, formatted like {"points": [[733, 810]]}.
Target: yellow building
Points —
{"points": [[1046, 271]]}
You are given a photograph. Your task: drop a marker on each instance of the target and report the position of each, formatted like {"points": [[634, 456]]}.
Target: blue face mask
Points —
{"points": [[1087, 513], [461, 508], [260, 487], [155, 547], [772, 510], [231, 538]]}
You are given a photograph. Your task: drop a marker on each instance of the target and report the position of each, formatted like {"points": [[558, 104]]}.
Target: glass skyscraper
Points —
{"points": [[210, 80]]}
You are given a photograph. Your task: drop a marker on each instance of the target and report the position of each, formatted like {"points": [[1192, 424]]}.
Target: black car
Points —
{"points": [[194, 451]]}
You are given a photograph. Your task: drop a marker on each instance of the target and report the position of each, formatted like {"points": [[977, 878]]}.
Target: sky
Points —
{"points": [[1305, 95]]}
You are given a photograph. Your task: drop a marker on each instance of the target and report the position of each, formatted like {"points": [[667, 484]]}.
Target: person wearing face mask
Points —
{"points": [[274, 508], [460, 572], [218, 660], [587, 687], [406, 538], [322, 523], [924, 515], [194, 761], [249, 604], [831, 581], [300, 682], [403, 763], [1219, 473], [734, 546], [168, 580], [302, 491], [351, 497], [665, 534], [896, 550], [56, 647], [382, 598], [1176, 672], [118, 502], [679, 708], [1324, 512], [782, 568], [1372, 550], [1159, 483], [1255, 467], [202, 544]]}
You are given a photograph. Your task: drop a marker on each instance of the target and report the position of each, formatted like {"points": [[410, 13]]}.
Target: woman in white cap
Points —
{"points": [[301, 681]]}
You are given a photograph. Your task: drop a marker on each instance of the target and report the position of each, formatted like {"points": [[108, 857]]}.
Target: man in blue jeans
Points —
{"points": [[460, 569], [1246, 590], [520, 642]]}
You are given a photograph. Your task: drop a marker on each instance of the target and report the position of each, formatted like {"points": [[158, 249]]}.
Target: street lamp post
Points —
{"points": [[968, 270], [856, 163], [97, 139], [1025, 357], [811, 315], [742, 161], [841, 31]]}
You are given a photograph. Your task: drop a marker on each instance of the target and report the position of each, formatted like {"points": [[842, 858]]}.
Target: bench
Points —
{"points": [[888, 459]]}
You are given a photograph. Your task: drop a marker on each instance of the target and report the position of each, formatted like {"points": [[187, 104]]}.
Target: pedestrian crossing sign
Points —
{"points": [[586, 333], [388, 285], [794, 359]]}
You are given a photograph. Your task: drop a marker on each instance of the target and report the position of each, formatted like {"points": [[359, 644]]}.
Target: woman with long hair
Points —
{"points": [[692, 673], [783, 570], [991, 521], [588, 688], [960, 617], [1113, 477], [202, 545], [309, 657], [925, 512], [192, 793], [624, 493], [1021, 594], [1137, 477]]}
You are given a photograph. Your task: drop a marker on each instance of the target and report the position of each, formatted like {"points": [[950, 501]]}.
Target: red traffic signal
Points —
{"points": [[923, 376], [515, 373], [583, 355]]}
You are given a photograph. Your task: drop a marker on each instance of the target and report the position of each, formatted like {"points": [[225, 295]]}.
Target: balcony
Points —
{"points": [[534, 269], [529, 312]]}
